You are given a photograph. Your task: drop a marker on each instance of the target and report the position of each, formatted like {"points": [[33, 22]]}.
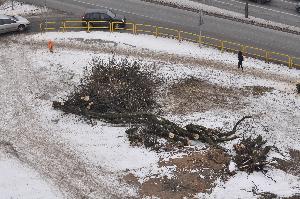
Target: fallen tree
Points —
{"points": [[122, 92], [149, 123]]}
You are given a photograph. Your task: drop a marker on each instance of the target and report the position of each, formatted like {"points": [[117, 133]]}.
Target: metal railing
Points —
{"points": [[158, 31]]}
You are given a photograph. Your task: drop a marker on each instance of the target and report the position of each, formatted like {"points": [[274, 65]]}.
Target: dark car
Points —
{"points": [[261, 1], [298, 7], [105, 16]]}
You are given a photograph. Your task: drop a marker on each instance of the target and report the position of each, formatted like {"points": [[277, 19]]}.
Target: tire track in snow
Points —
{"points": [[37, 146]]}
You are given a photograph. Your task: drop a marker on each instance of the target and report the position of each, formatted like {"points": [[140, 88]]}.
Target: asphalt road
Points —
{"points": [[282, 11], [142, 12]]}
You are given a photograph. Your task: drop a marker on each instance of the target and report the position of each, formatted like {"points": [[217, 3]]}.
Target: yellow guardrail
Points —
{"points": [[294, 59], [45, 26], [147, 29], [255, 52], [223, 45], [130, 27]]}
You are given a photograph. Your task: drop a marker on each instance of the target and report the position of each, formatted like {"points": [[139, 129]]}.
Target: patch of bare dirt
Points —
{"points": [[195, 172], [8, 148], [195, 95], [258, 90], [291, 166]]}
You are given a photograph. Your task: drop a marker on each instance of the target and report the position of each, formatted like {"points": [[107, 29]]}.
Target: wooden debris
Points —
{"points": [[251, 155]]}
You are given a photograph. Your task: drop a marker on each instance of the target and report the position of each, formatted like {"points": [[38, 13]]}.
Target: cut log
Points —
{"points": [[155, 125]]}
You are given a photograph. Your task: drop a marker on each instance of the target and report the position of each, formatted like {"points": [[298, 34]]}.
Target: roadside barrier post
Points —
{"points": [[244, 49], [64, 26], [41, 28], [222, 46], [156, 31], [267, 56], [200, 40], [290, 62], [88, 26], [134, 28], [179, 35]]}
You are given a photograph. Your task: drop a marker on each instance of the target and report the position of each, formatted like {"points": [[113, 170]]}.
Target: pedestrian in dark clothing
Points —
{"points": [[241, 59]]}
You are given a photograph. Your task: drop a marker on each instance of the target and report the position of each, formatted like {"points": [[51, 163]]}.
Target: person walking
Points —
{"points": [[241, 59]]}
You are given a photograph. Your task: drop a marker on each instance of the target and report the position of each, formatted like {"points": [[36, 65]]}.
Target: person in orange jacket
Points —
{"points": [[50, 46]]}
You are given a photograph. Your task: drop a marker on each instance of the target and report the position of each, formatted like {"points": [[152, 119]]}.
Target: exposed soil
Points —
{"points": [[195, 172], [258, 90], [9, 149], [291, 166], [196, 95]]}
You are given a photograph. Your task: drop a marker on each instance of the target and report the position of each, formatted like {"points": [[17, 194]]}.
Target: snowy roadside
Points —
{"points": [[214, 11], [20, 8]]}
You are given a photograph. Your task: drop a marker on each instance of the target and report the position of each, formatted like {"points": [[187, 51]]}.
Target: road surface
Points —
{"points": [[282, 11], [143, 12]]}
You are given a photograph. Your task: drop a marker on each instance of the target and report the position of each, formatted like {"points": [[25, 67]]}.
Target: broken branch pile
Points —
{"points": [[251, 155], [123, 92], [115, 86]]}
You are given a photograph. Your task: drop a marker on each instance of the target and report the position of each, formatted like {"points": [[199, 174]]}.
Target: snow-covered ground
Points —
{"points": [[242, 184], [20, 181], [42, 77], [19, 8], [61, 155]]}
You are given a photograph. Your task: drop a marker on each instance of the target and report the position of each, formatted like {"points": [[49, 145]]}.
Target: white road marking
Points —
{"points": [[288, 2], [132, 13]]}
